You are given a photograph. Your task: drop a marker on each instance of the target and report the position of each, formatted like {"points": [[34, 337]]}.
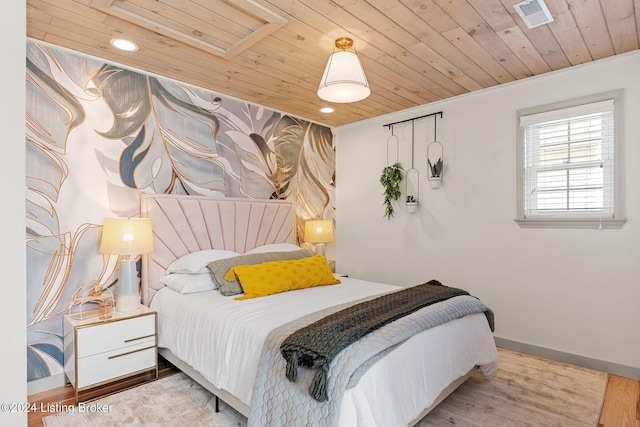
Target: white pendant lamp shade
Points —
{"points": [[343, 79]]}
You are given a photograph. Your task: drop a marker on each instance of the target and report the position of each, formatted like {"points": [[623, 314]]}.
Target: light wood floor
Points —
{"points": [[621, 407]]}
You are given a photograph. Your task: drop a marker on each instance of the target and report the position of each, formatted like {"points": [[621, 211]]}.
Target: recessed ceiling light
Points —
{"points": [[327, 110], [123, 44]]}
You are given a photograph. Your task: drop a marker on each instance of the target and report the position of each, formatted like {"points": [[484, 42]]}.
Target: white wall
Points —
{"points": [[12, 172], [571, 291]]}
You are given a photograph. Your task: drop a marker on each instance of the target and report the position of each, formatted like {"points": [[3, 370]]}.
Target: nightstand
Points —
{"points": [[97, 352]]}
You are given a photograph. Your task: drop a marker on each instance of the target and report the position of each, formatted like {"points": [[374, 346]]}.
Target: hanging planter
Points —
{"points": [[392, 174], [412, 204], [435, 156], [412, 201], [435, 170], [391, 178]]}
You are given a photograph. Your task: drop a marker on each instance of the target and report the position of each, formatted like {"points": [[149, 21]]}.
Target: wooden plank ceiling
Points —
{"points": [[273, 52]]}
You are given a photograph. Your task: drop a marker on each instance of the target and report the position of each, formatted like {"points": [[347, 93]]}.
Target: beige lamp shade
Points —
{"points": [[343, 79], [126, 236], [318, 231]]}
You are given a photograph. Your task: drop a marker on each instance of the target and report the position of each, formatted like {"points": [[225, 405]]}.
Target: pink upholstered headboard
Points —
{"points": [[184, 224]]}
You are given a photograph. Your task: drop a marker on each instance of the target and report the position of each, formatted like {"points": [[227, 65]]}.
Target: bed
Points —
{"points": [[219, 341]]}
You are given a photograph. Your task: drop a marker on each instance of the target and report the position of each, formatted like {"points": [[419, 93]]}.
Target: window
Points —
{"points": [[570, 168]]}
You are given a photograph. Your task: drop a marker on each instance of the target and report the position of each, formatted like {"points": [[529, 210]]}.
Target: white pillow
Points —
{"points": [[274, 247], [196, 262], [189, 283]]}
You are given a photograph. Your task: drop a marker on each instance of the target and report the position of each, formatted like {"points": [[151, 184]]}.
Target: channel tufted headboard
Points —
{"points": [[183, 224]]}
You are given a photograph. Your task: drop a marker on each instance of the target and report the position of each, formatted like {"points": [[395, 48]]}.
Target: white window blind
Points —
{"points": [[569, 162]]}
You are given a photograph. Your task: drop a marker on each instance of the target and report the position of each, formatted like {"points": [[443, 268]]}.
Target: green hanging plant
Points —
{"points": [[390, 180]]}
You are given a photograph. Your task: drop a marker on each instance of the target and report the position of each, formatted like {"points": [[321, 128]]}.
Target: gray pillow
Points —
{"points": [[220, 267]]}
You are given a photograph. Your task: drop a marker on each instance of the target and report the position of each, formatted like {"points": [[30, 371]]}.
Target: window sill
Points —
{"points": [[570, 223]]}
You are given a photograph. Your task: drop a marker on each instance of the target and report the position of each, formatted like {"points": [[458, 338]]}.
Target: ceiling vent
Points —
{"points": [[534, 13]]}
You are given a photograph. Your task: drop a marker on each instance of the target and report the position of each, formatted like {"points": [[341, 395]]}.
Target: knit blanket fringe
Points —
{"points": [[316, 345]]}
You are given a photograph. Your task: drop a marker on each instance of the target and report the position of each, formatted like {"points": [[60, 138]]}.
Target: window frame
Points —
{"points": [[577, 219]]}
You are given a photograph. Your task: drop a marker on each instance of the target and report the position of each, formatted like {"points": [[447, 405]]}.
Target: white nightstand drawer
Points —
{"points": [[114, 364], [115, 335], [97, 352]]}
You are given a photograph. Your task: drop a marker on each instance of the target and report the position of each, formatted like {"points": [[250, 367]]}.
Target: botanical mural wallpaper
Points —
{"points": [[98, 135]]}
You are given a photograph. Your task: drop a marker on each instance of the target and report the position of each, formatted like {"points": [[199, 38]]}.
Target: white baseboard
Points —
{"points": [[574, 359], [46, 383]]}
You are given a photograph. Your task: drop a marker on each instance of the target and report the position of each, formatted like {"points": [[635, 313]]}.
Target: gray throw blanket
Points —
{"points": [[315, 345], [278, 402]]}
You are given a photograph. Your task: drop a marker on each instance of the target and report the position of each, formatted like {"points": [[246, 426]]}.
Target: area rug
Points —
{"points": [[527, 391]]}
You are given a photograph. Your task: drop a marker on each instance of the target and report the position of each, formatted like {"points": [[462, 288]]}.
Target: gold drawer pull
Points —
{"points": [[140, 338], [130, 352]]}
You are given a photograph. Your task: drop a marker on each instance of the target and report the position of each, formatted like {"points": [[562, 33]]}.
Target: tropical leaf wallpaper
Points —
{"points": [[97, 136]]}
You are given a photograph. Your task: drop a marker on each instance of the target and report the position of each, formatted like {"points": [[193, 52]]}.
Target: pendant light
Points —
{"points": [[343, 79]]}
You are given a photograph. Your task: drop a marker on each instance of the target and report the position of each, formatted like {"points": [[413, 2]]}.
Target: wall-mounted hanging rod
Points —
{"points": [[415, 118]]}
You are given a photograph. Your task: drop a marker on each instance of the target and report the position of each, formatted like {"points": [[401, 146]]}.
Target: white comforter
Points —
{"points": [[222, 339]]}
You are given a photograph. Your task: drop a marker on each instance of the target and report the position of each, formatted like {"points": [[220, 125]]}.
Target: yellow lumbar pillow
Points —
{"points": [[281, 276]]}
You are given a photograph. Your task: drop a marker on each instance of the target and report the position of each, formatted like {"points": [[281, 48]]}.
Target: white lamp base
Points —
{"points": [[128, 295], [127, 302], [320, 249]]}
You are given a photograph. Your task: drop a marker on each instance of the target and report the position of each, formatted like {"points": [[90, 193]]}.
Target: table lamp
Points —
{"points": [[128, 237], [319, 233]]}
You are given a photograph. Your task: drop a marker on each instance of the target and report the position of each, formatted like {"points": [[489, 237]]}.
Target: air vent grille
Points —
{"points": [[534, 13]]}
